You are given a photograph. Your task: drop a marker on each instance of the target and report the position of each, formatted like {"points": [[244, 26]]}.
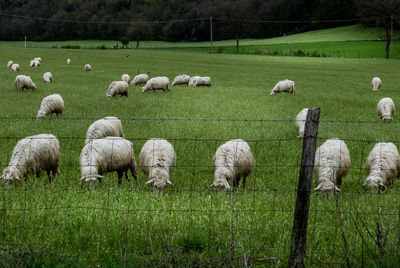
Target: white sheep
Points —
{"points": [[107, 126], [196, 81], [157, 159], [157, 83], [88, 68], [32, 63], [382, 166], [182, 79], [376, 83], [139, 79], [284, 86], [15, 67], [36, 63], [33, 154], [126, 78], [385, 109], [68, 61], [9, 64], [47, 77], [39, 59], [100, 156], [232, 161], [117, 88], [51, 104], [23, 81], [332, 163], [301, 122]]}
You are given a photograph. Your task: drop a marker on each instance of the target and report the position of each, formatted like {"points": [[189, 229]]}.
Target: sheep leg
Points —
{"points": [[339, 181], [126, 176], [236, 182], [120, 173], [133, 171], [244, 182]]}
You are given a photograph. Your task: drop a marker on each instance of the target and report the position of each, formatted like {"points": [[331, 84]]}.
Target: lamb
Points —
{"points": [[117, 88], [68, 61], [157, 159], [105, 155], [48, 77], [332, 163], [51, 104], [15, 67], [182, 79], [9, 64], [33, 154], [385, 109], [157, 83], [284, 86], [376, 83], [232, 161], [88, 68], [108, 126], [382, 166], [126, 78], [139, 79], [301, 122], [196, 81], [23, 81]]}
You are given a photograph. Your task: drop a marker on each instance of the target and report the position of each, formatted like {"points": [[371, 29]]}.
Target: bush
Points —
{"points": [[101, 46], [71, 46]]}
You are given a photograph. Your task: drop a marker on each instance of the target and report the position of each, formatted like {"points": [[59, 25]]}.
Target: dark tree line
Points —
{"points": [[170, 20]]}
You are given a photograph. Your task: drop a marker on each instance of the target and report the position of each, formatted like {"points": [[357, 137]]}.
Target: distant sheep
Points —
{"points": [[117, 88], [48, 77], [382, 166], [68, 61], [39, 59], [36, 63], [139, 79], [157, 160], [33, 154], [105, 155], [157, 83], [23, 81], [376, 83], [15, 67], [232, 161], [51, 104], [332, 163], [301, 122], [108, 126], [126, 78], [182, 79], [88, 68], [9, 64], [284, 86], [385, 109], [196, 81], [32, 63]]}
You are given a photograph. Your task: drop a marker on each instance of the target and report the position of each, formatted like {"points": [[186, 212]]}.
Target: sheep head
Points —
{"points": [[327, 186], [221, 184], [159, 178], [374, 182], [10, 174]]}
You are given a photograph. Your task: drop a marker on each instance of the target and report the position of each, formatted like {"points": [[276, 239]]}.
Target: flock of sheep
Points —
{"points": [[106, 150]]}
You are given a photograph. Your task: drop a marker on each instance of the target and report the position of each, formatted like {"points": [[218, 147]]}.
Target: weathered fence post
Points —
{"points": [[300, 222]]}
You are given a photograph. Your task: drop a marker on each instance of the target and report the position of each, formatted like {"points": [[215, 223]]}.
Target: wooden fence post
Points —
{"points": [[300, 221]]}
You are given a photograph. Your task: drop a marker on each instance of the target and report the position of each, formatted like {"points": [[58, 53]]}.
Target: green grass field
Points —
{"points": [[64, 223]]}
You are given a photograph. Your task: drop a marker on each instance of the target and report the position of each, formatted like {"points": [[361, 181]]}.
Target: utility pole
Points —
{"points": [[211, 35]]}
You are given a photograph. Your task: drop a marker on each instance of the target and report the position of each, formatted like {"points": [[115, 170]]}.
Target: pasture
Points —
{"points": [[191, 224]]}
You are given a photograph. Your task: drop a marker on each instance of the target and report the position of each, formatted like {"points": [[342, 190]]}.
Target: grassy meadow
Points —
{"points": [[64, 223]]}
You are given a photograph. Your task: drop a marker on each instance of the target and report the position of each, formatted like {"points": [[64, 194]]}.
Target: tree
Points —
{"points": [[380, 13], [138, 32], [124, 41]]}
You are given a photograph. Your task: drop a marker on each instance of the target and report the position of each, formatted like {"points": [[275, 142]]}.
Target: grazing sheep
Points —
{"points": [[157, 160], [23, 81], [385, 109], [376, 83], [182, 79], [32, 63], [232, 161], [332, 163], [301, 122], [36, 63], [126, 78], [108, 126], [382, 166], [48, 77], [39, 59], [140, 79], [51, 104], [196, 81], [157, 83], [88, 68], [33, 154], [117, 88], [68, 61], [9, 64], [15, 67], [284, 86], [105, 155]]}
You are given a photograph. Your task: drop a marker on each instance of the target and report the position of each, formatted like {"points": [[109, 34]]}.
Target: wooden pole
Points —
{"points": [[211, 36], [300, 221]]}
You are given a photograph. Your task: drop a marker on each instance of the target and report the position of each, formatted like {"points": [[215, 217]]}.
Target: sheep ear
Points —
{"points": [[318, 187], [169, 182], [149, 181], [2, 177], [99, 176], [212, 184], [226, 184], [337, 189], [82, 178]]}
